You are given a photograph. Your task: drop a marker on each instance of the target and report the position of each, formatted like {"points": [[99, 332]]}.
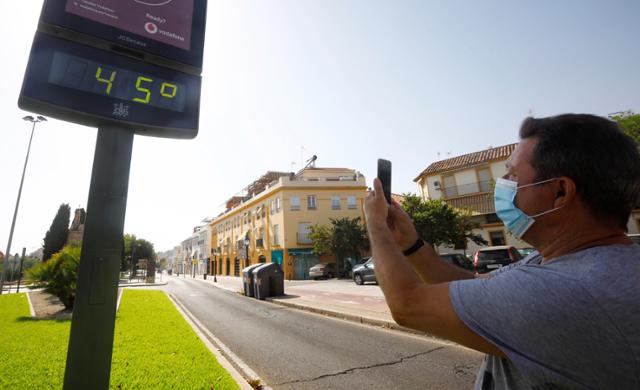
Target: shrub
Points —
{"points": [[58, 276]]}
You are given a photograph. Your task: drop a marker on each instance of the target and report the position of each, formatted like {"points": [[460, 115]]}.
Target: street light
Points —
{"points": [[33, 120], [215, 266], [246, 247]]}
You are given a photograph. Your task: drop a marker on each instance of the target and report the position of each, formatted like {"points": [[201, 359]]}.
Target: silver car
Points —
{"points": [[326, 271], [364, 273]]}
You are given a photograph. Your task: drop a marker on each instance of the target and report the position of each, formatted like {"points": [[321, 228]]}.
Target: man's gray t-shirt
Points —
{"points": [[573, 322]]}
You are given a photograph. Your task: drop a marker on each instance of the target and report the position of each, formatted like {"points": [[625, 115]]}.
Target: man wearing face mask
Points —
{"points": [[567, 316]]}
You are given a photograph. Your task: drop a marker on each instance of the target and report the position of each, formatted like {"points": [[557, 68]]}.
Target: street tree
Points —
{"points": [[58, 276], [134, 249], [345, 238], [630, 124], [438, 223], [466, 226], [56, 236]]}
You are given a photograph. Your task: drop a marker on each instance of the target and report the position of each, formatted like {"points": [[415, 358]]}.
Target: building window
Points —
{"points": [[304, 228], [335, 202], [351, 202], [275, 206], [497, 238], [311, 202], [276, 235], [450, 188], [295, 203], [484, 179]]}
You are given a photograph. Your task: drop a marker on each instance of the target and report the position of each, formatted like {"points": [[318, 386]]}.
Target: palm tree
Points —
{"points": [[345, 238]]}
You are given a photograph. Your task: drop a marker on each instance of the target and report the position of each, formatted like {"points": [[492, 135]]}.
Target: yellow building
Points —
{"points": [[271, 223]]}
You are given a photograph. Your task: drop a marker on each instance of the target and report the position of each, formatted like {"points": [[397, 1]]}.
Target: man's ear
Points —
{"points": [[565, 191]]}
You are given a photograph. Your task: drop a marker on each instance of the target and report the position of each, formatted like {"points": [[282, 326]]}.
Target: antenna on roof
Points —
{"points": [[311, 162]]}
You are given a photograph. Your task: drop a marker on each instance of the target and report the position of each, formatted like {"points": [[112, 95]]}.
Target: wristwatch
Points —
{"points": [[413, 248]]}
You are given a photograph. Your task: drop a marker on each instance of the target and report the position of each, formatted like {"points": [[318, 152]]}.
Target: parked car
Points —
{"points": [[326, 271], [458, 259], [494, 257], [524, 252], [364, 273], [635, 238]]}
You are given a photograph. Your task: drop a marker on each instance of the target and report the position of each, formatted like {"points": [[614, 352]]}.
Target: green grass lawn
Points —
{"points": [[154, 348]]}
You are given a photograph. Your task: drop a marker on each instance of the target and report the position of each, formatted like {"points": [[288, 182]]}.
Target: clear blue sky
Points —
{"points": [[348, 80]]}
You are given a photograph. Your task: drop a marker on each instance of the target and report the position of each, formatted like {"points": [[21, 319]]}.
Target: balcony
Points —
{"points": [[303, 238], [478, 203], [468, 189]]}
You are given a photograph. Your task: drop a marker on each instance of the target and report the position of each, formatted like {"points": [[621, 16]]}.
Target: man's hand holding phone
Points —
{"points": [[384, 174]]}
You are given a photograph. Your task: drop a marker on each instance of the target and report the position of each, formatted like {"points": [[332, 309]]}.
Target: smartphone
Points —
{"points": [[384, 174]]}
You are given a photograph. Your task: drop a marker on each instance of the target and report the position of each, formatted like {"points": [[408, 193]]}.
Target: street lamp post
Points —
{"points": [[33, 120], [246, 247], [215, 268]]}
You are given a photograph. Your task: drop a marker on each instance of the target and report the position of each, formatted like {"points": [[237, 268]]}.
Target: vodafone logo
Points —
{"points": [[151, 28]]}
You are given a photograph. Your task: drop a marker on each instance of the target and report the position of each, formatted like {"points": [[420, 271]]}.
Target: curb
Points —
{"points": [[143, 284], [346, 316], [32, 312], [244, 376]]}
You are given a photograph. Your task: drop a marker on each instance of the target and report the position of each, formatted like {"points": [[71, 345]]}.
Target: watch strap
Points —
{"points": [[413, 248]]}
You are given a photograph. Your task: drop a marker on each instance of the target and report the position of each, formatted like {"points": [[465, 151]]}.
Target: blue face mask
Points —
{"points": [[516, 221]]}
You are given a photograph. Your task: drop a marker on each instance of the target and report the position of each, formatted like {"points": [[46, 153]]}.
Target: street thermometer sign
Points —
{"points": [[135, 63], [126, 67]]}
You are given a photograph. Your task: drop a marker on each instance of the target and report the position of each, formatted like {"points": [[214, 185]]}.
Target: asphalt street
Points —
{"points": [[292, 349]]}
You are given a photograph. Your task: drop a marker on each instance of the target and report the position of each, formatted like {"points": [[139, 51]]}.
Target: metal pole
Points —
{"points": [[13, 268], [15, 212], [94, 311], [24, 250]]}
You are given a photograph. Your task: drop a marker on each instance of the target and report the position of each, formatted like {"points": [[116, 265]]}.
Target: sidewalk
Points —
{"points": [[340, 298]]}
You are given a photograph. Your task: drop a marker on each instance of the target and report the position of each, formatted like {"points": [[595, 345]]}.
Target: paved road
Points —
{"points": [[291, 349]]}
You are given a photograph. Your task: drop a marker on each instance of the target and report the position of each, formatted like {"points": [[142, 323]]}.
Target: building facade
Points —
{"points": [[466, 182], [193, 254], [271, 223]]}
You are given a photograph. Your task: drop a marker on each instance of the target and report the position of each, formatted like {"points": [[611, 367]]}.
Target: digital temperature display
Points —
{"points": [[104, 79], [78, 83]]}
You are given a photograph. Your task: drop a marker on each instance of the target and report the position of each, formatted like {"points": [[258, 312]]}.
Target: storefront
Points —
{"points": [[302, 259]]}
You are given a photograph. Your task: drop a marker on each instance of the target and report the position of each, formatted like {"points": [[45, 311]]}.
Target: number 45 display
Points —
{"points": [[167, 90]]}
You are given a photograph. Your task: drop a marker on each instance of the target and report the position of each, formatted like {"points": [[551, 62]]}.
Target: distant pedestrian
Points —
{"points": [[566, 316]]}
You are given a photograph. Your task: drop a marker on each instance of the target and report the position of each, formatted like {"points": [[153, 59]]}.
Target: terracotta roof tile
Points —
{"points": [[467, 160]]}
